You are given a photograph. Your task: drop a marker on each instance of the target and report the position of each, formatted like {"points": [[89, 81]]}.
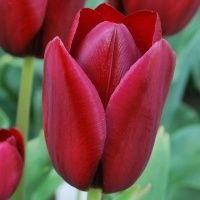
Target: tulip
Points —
{"points": [[11, 161], [26, 26], [103, 95], [174, 15]]}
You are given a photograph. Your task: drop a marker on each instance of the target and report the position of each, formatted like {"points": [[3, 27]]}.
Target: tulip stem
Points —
{"points": [[78, 195], [94, 194], [24, 99], [23, 111]]}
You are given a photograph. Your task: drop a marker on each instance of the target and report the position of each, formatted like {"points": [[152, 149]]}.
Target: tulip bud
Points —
{"points": [[103, 95], [174, 15], [11, 161], [27, 26]]}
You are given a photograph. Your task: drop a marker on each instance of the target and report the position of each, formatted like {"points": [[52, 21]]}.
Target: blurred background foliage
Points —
{"points": [[174, 169]]}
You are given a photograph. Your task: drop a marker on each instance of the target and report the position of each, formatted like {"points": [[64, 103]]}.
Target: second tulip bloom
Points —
{"points": [[174, 15], [26, 26]]}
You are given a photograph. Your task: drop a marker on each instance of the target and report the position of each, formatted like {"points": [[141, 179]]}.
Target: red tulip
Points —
{"points": [[174, 15], [26, 26], [11, 161], [103, 97]]}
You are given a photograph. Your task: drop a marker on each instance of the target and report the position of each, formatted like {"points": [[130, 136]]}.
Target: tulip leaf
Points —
{"points": [[37, 110], [48, 187], [4, 121], [187, 59], [157, 170], [93, 4], [184, 193], [185, 165], [196, 73], [185, 115], [38, 164], [9, 85]]}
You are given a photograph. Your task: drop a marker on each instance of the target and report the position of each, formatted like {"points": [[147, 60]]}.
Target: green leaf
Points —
{"points": [[186, 60], [157, 170], [4, 121], [184, 116], [48, 187], [185, 165], [184, 194], [93, 4], [38, 164], [196, 74], [37, 110], [185, 168]]}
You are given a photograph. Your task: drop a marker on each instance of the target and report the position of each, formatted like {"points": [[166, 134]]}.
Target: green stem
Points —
{"points": [[23, 112], [94, 194], [78, 195], [24, 100]]}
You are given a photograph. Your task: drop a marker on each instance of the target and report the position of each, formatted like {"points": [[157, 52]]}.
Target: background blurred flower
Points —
{"points": [[174, 15], [103, 97], [26, 26], [11, 161]]}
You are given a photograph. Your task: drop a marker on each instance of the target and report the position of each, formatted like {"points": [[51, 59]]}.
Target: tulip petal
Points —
{"points": [[19, 22], [109, 13], [116, 4], [107, 57], [6, 134], [145, 28], [74, 118], [11, 168], [133, 115], [174, 15], [80, 27], [20, 141], [58, 18]]}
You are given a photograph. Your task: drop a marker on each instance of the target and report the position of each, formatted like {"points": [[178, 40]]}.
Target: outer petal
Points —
{"points": [[80, 27], [145, 28], [58, 18], [133, 116], [109, 13], [106, 54], [74, 118], [19, 22]]}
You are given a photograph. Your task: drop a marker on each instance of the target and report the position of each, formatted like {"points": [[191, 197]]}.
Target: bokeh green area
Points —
{"points": [[173, 172]]}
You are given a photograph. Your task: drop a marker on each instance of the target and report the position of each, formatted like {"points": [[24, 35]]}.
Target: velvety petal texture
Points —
{"points": [[26, 26], [103, 96], [132, 120], [174, 15], [74, 118], [108, 57], [19, 22], [11, 161]]}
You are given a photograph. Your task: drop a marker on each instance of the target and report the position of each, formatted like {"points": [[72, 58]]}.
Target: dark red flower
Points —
{"points": [[174, 15], [11, 161], [26, 26], [103, 95]]}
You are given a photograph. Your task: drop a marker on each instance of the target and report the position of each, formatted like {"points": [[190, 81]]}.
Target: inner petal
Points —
{"points": [[106, 54]]}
